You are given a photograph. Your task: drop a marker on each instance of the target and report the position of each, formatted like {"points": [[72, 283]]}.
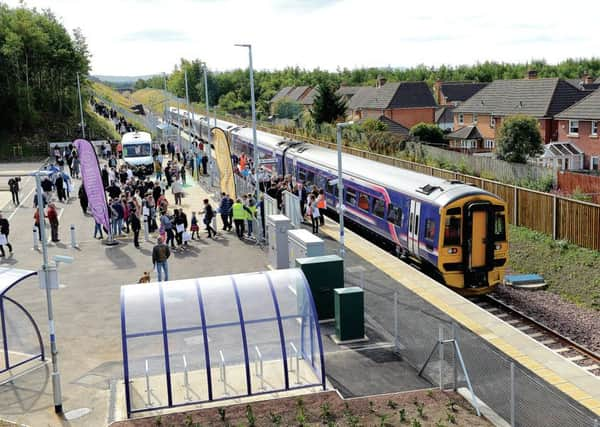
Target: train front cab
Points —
{"points": [[474, 244]]}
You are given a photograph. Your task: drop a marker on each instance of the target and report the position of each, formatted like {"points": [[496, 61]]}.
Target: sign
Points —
{"points": [[52, 276], [268, 162], [92, 181]]}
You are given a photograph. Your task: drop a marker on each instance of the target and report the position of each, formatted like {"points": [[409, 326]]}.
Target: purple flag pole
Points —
{"points": [[92, 182]]}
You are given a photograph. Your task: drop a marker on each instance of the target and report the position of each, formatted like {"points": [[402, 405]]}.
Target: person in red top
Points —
{"points": [[53, 220]]}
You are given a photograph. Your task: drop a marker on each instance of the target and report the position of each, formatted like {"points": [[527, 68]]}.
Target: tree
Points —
{"points": [[518, 138], [328, 106], [373, 125], [427, 132], [140, 84], [286, 108]]}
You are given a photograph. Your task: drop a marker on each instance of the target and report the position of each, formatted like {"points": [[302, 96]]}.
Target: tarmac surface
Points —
{"points": [[87, 313]]}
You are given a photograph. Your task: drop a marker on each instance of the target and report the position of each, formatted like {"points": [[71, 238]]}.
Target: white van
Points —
{"points": [[137, 152]]}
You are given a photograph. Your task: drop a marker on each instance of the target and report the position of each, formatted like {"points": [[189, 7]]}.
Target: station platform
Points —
{"points": [[576, 383]]}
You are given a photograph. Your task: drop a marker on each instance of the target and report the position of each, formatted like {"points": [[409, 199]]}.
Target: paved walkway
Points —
{"points": [[87, 309]]}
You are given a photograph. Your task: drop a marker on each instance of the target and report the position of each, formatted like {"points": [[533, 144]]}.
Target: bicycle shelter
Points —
{"points": [[20, 338], [214, 338]]}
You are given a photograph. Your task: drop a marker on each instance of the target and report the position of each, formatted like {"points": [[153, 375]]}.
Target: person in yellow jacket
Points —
{"points": [[239, 216], [250, 210]]}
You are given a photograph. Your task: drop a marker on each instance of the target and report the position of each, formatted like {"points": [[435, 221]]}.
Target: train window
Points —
{"points": [[394, 215], [453, 211], [331, 189], [452, 231], [310, 178], [499, 228], [350, 196], [429, 230], [301, 175], [321, 182], [363, 202], [379, 208]]}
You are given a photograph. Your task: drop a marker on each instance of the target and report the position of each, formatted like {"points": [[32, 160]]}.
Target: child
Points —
{"points": [[194, 226]]}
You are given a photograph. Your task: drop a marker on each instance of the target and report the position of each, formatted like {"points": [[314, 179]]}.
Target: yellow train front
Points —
{"points": [[473, 249]]}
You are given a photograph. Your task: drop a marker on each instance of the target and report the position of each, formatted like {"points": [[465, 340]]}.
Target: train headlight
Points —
{"points": [[498, 247], [452, 251]]}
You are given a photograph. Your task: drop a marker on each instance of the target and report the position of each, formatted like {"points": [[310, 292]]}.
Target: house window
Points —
{"points": [[461, 119], [489, 143], [594, 131], [475, 118], [573, 127], [492, 122], [595, 163]]}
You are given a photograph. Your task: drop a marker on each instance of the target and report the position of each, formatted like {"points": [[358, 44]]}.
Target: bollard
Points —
{"points": [[146, 237], [36, 246], [74, 244]]}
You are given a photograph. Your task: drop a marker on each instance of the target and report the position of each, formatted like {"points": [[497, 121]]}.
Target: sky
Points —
{"points": [[135, 37]]}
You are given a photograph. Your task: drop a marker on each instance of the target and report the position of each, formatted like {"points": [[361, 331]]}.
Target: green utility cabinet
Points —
{"points": [[349, 313], [324, 274]]}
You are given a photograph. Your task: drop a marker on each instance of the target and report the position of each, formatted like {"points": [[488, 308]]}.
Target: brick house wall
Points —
{"points": [[407, 117], [584, 140]]}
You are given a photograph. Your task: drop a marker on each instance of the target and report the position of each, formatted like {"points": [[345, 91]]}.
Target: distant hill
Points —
{"points": [[121, 79]]}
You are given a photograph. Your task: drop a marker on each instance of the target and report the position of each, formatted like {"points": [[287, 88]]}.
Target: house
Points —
{"points": [[466, 138], [406, 103], [586, 82], [578, 125], [444, 117], [391, 125], [539, 98], [455, 93], [294, 93]]}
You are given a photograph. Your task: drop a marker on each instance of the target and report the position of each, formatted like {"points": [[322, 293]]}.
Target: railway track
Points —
{"points": [[563, 346]]}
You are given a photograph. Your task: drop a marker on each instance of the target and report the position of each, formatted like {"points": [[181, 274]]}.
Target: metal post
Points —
{"points": [[56, 390], [297, 355], [441, 354], [464, 368], [512, 395], [80, 108], [148, 394], [178, 123], [187, 101], [146, 236], [395, 320], [223, 373], [186, 382], [340, 185], [259, 368], [209, 135], [165, 121], [454, 367], [36, 247], [74, 244]]}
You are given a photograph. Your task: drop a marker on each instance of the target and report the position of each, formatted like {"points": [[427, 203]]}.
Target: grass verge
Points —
{"points": [[569, 270]]}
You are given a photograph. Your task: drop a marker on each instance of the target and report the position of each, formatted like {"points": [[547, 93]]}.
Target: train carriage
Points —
{"points": [[456, 228]]}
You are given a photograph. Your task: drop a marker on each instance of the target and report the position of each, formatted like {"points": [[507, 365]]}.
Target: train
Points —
{"points": [[456, 229]]}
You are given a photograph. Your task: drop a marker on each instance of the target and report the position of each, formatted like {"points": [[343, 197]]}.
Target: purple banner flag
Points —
{"points": [[92, 181]]}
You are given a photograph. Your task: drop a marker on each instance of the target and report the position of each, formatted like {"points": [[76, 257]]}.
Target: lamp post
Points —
{"points": [[209, 136], [165, 121], [80, 108], [253, 104], [340, 184]]}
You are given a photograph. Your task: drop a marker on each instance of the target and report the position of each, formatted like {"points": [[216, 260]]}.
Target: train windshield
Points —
{"points": [[500, 227]]}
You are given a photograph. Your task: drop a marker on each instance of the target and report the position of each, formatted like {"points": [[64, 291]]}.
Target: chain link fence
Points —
{"points": [[512, 391]]}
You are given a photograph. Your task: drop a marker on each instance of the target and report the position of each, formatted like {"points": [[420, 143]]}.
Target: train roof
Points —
{"points": [[135, 137], [265, 139], [419, 186]]}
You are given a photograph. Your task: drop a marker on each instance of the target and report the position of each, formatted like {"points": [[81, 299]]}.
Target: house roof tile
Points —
{"points": [[536, 97], [460, 91], [282, 93], [587, 108], [394, 95], [467, 132]]}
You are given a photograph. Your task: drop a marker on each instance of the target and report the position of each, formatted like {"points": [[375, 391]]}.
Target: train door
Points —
{"points": [[413, 226], [479, 241]]}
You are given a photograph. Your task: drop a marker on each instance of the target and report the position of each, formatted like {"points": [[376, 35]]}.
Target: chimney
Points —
{"points": [[531, 75], [437, 92], [380, 81], [587, 79]]}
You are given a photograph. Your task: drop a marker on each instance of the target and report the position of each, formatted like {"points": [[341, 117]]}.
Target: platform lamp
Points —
{"points": [[253, 104], [340, 183]]}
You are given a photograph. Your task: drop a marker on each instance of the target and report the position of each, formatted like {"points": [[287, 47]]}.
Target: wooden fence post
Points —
{"points": [[516, 206], [554, 217]]}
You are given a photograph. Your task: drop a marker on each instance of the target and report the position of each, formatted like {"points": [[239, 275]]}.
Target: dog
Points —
{"points": [[145, 278]]}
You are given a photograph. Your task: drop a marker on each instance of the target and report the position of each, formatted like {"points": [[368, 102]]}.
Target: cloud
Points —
{"points": [[157, 36], [304, 5]]}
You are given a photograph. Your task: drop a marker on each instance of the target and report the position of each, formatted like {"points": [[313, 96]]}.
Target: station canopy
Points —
{"points": [[214, 338]]}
